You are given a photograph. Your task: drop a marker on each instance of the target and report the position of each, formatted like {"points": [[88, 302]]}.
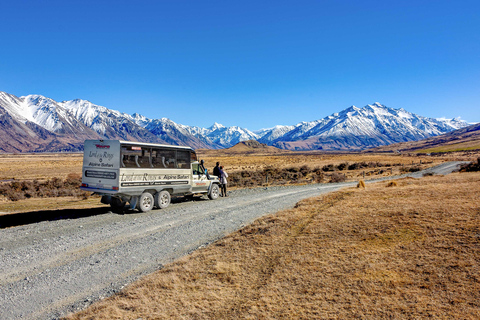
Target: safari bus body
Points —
{"points": [[144, 175]]}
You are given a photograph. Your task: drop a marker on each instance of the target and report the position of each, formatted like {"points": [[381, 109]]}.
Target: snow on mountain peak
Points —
{"points": [[216, 126]]}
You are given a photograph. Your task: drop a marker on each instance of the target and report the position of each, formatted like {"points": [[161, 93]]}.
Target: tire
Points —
{"points": [[145, 202], [162, 199], [214, 192]]}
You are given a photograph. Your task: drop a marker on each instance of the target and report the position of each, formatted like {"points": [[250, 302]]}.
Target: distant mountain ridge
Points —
{"points": [[35, 123], [464, 139], [359, 128]]}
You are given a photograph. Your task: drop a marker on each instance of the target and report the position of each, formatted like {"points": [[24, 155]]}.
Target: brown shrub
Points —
{"points": [[55, 187], [337, 177], [361, 184], [471, 167], [343, 166], [410, 169]]}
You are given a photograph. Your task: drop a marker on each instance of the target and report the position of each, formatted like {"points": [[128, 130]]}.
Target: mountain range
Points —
{"points": [[35, 123]]}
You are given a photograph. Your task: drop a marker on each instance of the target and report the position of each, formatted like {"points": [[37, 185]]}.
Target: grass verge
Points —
{"points": [[407, 251]]}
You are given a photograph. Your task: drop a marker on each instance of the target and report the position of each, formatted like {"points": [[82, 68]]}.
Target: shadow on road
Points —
{"points": [[24, 218], [19, 219]]}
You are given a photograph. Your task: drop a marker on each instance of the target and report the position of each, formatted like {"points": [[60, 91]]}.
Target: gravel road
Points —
{"points": [[51, 268]]}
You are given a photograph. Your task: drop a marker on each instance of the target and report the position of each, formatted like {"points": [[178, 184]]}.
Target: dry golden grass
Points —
{"points": [[361, 184], [454, 147], [48, 166], [409, 252], [238, 162], [39, 166]]}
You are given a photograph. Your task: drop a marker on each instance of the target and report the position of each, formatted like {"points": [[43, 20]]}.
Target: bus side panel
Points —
{"points": [[101, 162], [135, 181]]}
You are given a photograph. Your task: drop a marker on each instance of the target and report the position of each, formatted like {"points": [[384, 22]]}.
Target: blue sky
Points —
{"points": [[254, 64]]}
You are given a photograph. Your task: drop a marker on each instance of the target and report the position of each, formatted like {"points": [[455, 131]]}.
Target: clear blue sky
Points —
{"points": [[254, 64]]}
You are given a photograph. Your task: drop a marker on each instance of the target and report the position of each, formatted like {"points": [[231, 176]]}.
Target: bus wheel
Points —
{"points": [[145, 202], [162, 199], [215, 192]]}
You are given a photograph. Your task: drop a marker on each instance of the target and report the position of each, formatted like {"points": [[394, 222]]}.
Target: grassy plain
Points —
{"points": [[400, 250], [39, 166], [454, 147], [20, 167], [46, 166]]}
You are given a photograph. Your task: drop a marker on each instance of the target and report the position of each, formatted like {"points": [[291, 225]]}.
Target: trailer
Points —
{"points": [[144, 176]]}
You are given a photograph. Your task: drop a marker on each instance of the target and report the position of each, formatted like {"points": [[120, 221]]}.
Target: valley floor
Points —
{"points": [[403, 249]]}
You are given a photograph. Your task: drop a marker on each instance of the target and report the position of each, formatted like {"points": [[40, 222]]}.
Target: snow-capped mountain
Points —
{"points": [[359, 128], [223, 136], [74, 121], [37, 123], [171, 132], [274, 133]]}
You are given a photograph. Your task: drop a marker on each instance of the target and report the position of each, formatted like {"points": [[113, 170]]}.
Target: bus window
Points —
{"points": [[163, 158], [131, 156], [183, 159], [144, 159], [193, 156]]}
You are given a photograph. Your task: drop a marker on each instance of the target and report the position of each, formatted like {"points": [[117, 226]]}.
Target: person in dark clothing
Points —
{"points": [[216, 170]]}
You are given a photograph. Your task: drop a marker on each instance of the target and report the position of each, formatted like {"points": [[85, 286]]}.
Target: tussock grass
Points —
{"points": [[406, 252], [361, 184], [392, 183]]}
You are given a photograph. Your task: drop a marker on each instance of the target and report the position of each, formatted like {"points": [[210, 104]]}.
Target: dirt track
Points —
{"points": [[59, 265]]}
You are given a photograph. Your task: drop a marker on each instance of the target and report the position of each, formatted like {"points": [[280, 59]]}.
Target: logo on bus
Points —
{"points": [[101, 146]]}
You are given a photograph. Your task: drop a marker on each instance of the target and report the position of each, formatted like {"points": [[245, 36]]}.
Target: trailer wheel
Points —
{"points": [[145, 202], [214, 192], [162, 199]]}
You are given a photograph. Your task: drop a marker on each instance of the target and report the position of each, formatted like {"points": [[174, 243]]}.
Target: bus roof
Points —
{"points": [[144, 144], [154, 145]]}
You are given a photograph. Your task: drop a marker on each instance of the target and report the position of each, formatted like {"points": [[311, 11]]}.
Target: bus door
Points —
{"points": [[200, 180]]}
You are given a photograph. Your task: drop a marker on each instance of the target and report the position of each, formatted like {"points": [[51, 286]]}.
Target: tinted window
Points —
{"points": [[146, 157], [163, 158], [130, 156], [183, 159]]}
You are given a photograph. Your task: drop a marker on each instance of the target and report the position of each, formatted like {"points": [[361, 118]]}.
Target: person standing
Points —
{"points": [[216, 170], [223, 181]]}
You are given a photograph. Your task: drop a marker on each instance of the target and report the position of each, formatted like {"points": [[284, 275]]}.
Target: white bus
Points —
{"points": [[144, 175]]}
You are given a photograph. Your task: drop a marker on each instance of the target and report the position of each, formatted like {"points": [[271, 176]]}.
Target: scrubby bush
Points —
{"points": [[410, 169], [471, 167], [304, 170], [342, 166], [337, 177], [328, 167], [55, 187]]}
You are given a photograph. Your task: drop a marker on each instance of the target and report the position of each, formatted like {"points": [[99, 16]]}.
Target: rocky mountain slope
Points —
{"points": [[35, 123]]}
